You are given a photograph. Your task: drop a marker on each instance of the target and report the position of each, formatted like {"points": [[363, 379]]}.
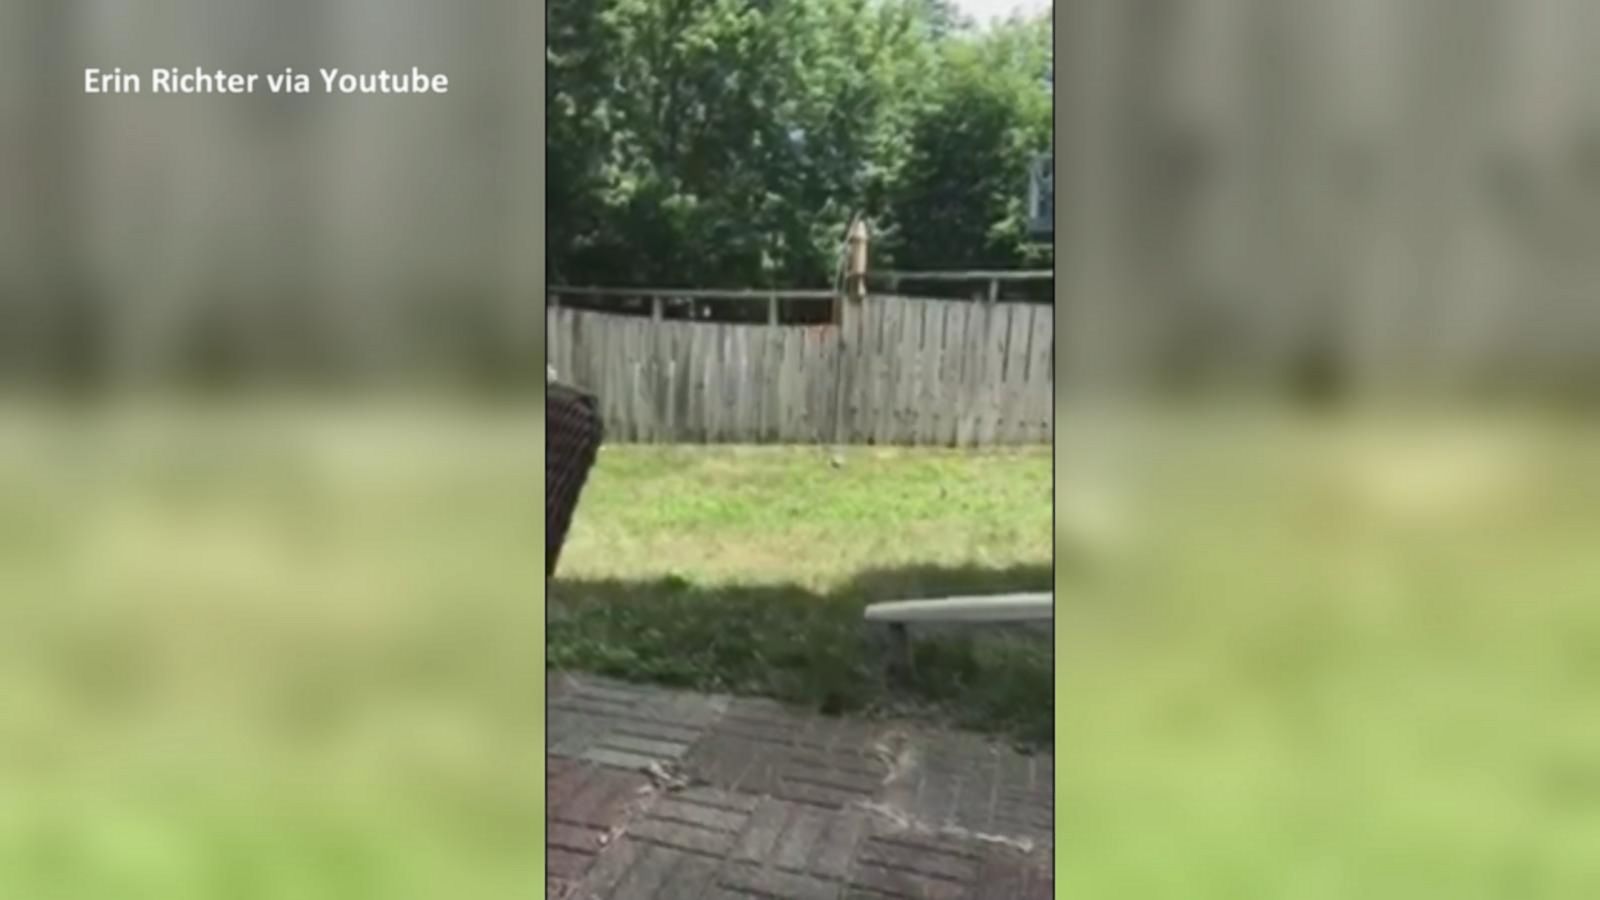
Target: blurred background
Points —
{"points": [[269, 442], [1326, 469], [286, 236], [1326, 463], [1367, 196]]}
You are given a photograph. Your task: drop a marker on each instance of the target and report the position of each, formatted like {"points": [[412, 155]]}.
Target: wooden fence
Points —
{"points": [[896, 370], [1394, 194]]}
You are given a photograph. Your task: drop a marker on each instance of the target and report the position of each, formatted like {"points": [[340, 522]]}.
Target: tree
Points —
{"points": [[729, 142], [961, 199]]}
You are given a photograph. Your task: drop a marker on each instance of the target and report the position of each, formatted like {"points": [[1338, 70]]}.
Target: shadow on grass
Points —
{"points": [[801, 646]]}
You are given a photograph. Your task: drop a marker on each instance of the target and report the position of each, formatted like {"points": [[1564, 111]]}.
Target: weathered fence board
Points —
{"points": [[898, 370]]}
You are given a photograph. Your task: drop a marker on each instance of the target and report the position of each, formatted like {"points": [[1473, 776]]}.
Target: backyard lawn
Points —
{"points": [[1336, 661], [1295, 658], [746, 570], [299, 656], [283, 656]]}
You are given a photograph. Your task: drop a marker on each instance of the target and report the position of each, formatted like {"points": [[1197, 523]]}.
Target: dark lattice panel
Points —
{"points": [[572, 439]]}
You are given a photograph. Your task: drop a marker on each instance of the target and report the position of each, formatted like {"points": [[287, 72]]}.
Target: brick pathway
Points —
{"points": [[655, 794]]}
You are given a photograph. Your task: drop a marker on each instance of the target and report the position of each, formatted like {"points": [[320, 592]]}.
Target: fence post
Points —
{"points": [[655, 308], [994, 290], [772, 309]]}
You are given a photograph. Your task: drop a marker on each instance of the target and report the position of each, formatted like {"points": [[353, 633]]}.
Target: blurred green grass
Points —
{"points": [[299, 655], [270, 652], [1336, 659]]}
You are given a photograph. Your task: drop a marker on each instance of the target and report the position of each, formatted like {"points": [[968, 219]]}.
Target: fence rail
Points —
{"points": [[895, 370], [992, 279], [659, 297], [972, 275], [555, 293]]}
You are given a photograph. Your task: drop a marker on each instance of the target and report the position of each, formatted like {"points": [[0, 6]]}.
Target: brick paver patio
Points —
{"points": [[656, 794]]}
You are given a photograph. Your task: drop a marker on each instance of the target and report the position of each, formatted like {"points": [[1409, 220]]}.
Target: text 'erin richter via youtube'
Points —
{"points": [[198, 80]]}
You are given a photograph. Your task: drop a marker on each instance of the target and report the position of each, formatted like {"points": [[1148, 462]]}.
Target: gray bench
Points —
{"points": [[893, 621]]}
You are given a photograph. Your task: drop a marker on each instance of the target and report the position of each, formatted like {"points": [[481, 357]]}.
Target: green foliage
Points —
{"points": [[960, 198], [728, 143]]}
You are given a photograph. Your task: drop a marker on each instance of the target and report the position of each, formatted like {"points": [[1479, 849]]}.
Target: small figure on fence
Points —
{"points": [[572, 441]]}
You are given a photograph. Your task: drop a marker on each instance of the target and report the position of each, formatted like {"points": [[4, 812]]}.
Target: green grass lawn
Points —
{"points": [[1295, 658], [288, 656], [746, 570], [300, 658], [1337, 661]]}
